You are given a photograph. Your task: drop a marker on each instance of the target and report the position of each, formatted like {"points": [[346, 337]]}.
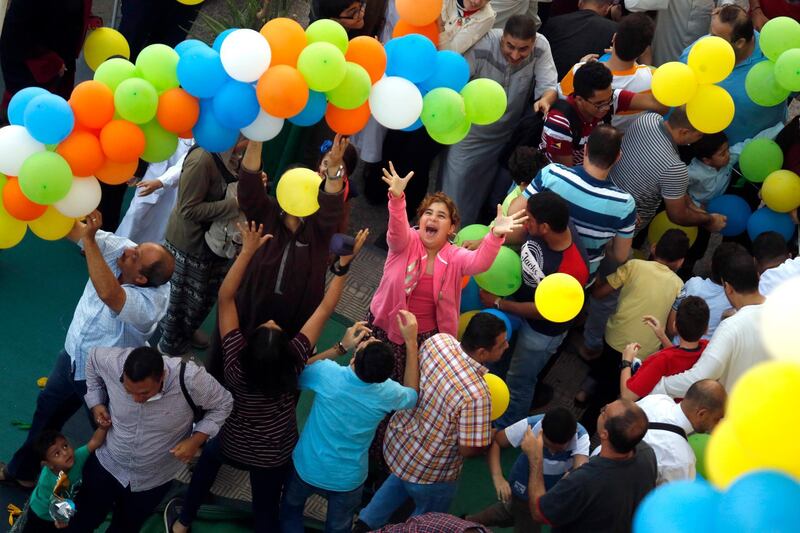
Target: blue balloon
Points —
{"points": [[735, 208], [221, 37], [313, 111], [415, 126], [236, 105], [49, 118], [209, 133], [678, 507], [470, 299], [200, 72], [765, 219], [18, 103], [451, 71], [183, 46], [411, 56], [760, 501], [504, 317]]}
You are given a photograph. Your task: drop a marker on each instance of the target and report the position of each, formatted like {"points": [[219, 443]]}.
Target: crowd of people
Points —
{"points": [[571, 176]]}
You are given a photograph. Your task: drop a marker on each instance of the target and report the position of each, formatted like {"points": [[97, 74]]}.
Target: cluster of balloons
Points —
{"points": [[770, 82], [709, 107], [418, 16]]}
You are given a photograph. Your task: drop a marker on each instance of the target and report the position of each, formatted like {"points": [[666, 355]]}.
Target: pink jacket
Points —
{"points": [[406, 263]]}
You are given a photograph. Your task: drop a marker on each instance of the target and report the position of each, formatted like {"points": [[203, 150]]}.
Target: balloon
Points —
{"points": [[442, 110], [781, 191], [200, 72], [760, 158], [463, 321], [177, 111], [559, 297], [712, 59], [286, 40], [760, 501], [429, 31], [779, 35], [210, 134], [711, 109], [102, 44], [347, 122], [504, 317], [52, 225], [190, 2], [16, 145], [92, 104], [396, 103], [484, 101], [83, 153], [765, 219], [18, 103], [327, 31], [157, 63], [674, 84], [235, 105], [49, 118], [245, 55], [699, 442], [762, 87], [263, 128], [354, 89], [83, 198], [455, 135], [122, 141], [313, 111], [12, 230], [473, 232], [736, 209], [412, 57], [187, 44], [282, 91], [322, 65], [498, 391], [136, 100], [661, 223], [369, 53], [678, 507], [297, 192], [787, 70], [725, 458], [504, 277], [419, 13], [17, 204], [116, 173], [451, 71], [217, 44], [470, 299], [45, 178], [779, 321], [160, 144], [115, 71]]}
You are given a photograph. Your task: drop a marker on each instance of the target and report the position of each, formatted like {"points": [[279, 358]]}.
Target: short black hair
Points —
{"points": [[604, 145], [741, 25], [269, 366], [708, 145], [374, 363], [591, 77], [634, 35], [160, 271], [520, 27], [331, 9], [142, 363], [691, 319], [740, 272], [768, 246], [679, 119], [721, 255], [482, 332], [628, 429], [559, 425], [549, 208], [673, 245], [44, 440], [523, 164]]}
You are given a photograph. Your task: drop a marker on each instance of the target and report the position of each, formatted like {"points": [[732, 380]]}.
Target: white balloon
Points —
{"points": [[779, 319], [395, 102], [83, 198], [16, 145], [245, 55], [263, 128]]}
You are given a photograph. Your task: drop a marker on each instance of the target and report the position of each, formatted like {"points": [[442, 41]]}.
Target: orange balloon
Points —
{"points": [[369, 53], [431, 31], [347, 121], [122, 141], [115, 173], [188, 134], [83, 153], [177, 110], [93, 104], [419, 13], [17, 204], [286, 39], [282, 91], [464, 282]]}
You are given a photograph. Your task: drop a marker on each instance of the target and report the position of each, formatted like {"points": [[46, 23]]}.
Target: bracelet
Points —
{"points": [[340, 348], [338, 175], [337, 269]]}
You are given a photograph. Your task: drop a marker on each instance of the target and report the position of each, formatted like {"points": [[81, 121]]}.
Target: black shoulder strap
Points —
{"points": [[668, 427], [185, 391], [575, 122]]}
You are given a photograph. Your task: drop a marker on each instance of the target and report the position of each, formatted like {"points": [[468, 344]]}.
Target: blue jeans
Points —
{"points": [[594, 330], [429, 498], [341, 506], [531, 354]]}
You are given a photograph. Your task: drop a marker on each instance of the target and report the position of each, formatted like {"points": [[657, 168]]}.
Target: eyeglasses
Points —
{"points": [[353, 12], [601, 105]]}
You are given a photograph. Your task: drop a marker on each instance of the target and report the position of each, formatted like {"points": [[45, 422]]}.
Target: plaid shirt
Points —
{"points": [[434, 523], [454, 408]]}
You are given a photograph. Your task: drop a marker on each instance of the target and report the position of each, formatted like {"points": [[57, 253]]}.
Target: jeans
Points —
{"points": [[61, 398], [531, 354], [428, 498], [341, 506]]}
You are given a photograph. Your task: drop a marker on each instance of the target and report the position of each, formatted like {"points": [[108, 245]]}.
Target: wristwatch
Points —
{"points": [[340, 348], [625, 364], [338, 175]]}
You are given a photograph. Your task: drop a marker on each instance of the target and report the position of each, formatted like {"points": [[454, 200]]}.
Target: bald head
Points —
{"points": [[159, 270], [623, 425], [704, 404]]}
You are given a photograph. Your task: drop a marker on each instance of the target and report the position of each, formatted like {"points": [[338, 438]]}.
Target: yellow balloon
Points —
{"points": [[726, 460], [297, 192], [52, 225], [103, 43], [190, 2], [498, 390], [781, 191], [11, 230], [661, 223], [559, 297], [711, 109], [463, 320], [779, 319], [712, 59], [674, 84]]}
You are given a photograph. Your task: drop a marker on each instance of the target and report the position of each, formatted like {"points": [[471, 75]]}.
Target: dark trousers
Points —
{"points": [[57, 402], [146, 22], [604, 371], [34, 524], [101, 493]]}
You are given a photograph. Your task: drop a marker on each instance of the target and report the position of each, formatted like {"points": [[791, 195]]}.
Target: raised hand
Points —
{"points": [[355, 334], [631, 351], [654, 324], [505, 224], [361, 238], [252, 239], [396, 184], [532, 444], [407, 324], [340, 144]]}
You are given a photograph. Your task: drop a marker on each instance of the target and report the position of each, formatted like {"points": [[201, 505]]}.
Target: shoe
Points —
{"points": [[200, 340], [171, 513], [361, 527]]}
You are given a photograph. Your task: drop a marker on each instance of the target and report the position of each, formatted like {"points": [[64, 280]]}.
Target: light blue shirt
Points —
{"points": [[332, 451], [95, 324], [713, 294]]}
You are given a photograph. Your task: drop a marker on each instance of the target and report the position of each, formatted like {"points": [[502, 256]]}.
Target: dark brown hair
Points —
{"points": [[429, 199]]}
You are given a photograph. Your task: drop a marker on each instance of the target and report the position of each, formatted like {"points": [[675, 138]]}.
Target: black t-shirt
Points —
{"points": [[574, 35], [602, 495]]}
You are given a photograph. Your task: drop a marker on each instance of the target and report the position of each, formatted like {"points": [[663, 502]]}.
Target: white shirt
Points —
{"points": [[773, 277], [675, 457]]}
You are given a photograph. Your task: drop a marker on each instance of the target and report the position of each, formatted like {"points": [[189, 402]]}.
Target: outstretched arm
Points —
{"points": [[108, 287], [397, 235]]}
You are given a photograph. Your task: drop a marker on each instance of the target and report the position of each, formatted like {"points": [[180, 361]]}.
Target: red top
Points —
{"points": [[667, 362], [780, 8], [422, 304]]}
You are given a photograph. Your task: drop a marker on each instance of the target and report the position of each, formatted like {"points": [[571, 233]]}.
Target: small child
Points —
{"points": [[339, 158]]}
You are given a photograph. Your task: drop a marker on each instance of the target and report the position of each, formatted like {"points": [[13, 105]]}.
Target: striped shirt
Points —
{"points": [[599, 209], [453, 409], [261, 431], [650, 168]]}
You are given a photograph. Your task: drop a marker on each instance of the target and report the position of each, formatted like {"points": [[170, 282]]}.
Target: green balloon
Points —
{"points": [[759, 159], [485, 101], [322, 65], [442, 111], [114, 71], [328, 31], [454, 136], [504, 277], [136, 100], [473, 232], [158, 64], [698, 442], [353, 91], [787, 70], [761, 86], [45, 178], [779, 35], [159, 143]]}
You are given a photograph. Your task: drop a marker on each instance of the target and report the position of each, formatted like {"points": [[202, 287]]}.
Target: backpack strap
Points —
{"points": [[667, 427], [182, 378]]}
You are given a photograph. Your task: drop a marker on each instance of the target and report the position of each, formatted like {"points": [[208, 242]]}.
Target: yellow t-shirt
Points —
{"points": [[648, 288]]}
